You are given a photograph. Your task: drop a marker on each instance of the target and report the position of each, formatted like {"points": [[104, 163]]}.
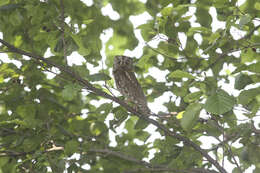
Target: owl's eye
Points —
{"points": [[127, 62], [118, 61]]}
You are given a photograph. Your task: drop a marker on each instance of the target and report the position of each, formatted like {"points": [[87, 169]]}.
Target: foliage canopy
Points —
{"points": [[45, 119]]}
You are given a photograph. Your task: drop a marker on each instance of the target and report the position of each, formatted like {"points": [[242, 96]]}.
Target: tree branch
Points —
{"points": [[250, 33], [99, 92], [124, 156], [234, 50]]}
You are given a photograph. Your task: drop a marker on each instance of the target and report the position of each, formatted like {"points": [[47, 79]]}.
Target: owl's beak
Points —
{"points": [[120, 63]]}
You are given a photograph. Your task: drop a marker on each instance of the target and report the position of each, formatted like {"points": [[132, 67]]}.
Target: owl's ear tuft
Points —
{"points": [[118, 56]]}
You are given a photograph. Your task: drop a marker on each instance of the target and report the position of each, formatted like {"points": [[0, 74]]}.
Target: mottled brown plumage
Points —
{"points": [[127, 83]]}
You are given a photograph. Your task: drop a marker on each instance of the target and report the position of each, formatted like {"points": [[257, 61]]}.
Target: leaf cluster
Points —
{"points": [[52, 120]]}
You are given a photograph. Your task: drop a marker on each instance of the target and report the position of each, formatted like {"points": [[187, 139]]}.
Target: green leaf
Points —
{"points": [[236, 170], [254, 67], [244, 20], [144, 62], [71, 147], [212, 128], [9, 167], [248, 95], [104, 109], [59, 46], [239, 69], [130, 124], [82, 71], [168, 50], [26, 111], [191, 97], [15, 121], [214, 37], [16, 18], [191, 116], [96, 128], [257, 5], [203, 30], [120, 113], [147, 31], [88, 21], [141, 124], [219, 103], [203, 16], [242, 80], [7, 70], [56, 164], [83, 50], [143, 135], [256, 170], [3, 161], [221, 3], [70, 91], [166, 11], [120, 116], [249, 55], [191, 46], [116, 45], [98, 77], [32, 143], [181, 74]]}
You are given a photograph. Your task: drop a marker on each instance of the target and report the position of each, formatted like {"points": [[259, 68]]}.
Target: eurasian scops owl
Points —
{"points": [[127, 84]]}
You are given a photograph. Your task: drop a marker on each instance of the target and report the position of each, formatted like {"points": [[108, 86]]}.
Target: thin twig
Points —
{"points": [[223, 148], [123, 156], [234, 159], [106, 86], [250, 33]]}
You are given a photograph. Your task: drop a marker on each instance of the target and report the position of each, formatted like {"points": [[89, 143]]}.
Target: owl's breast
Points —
{"points": [[123, 80]]}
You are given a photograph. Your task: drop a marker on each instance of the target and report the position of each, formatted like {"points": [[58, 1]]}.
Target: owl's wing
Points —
{"points": [[137, 92], [135, 84], [129, 87]]}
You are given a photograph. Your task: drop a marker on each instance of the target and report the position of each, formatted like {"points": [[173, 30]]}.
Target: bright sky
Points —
{"points": [[76, 59]]}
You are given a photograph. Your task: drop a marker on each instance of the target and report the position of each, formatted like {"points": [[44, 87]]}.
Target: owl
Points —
{"points": [[127, 84]]}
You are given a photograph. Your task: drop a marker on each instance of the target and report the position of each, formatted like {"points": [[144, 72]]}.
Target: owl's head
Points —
{"points": [[123, 63]]}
